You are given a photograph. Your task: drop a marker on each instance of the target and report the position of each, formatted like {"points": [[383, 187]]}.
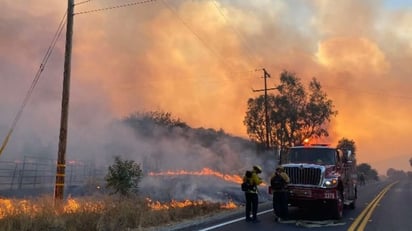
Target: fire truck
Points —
{"points": [[321, 176]]}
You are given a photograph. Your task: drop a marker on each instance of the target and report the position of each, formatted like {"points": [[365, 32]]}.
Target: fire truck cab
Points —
{"points": [[321, 176]]}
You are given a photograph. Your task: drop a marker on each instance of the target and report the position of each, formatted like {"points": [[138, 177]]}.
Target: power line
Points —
{"points": [[265, 76], [83, 2], [205, 43], [114, 7], [35, 81], [195, 34], [236, 32]]}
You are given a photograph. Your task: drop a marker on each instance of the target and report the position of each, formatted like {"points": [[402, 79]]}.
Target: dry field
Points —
{"points": [[100, 213]]}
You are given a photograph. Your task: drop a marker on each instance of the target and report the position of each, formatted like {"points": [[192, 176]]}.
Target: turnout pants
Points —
{"points": [[280, 204], [252, 201]]}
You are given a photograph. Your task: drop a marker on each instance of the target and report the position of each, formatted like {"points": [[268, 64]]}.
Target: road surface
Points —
{"points": [[385, 205]]}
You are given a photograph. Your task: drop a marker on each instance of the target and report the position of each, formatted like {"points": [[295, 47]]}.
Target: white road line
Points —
{"points": [[232, 221]]}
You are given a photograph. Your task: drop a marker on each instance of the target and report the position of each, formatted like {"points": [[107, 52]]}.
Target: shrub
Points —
{"points": [[123, 177]]}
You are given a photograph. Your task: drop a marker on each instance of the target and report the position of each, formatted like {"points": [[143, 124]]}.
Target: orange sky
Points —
{"points": [[197, 60]]}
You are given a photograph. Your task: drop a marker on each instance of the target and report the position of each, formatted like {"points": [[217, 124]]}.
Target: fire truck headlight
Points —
{"points": [[331, 182]]}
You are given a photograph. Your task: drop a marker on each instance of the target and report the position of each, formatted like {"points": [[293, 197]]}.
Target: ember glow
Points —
{"points": [[204, 172], [73, 205], [22, 206], [232, 178], [157, 205], [15, 207], [12, 207]]}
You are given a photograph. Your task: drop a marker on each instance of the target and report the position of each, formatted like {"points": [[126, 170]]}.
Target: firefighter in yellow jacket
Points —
{"points": [[251, 195]]}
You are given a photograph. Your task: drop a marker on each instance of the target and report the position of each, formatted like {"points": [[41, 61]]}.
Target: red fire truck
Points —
{"points": [[321, 176]]}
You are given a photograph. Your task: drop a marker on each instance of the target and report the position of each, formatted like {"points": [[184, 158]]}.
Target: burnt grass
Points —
{"points": [[102, 213]]}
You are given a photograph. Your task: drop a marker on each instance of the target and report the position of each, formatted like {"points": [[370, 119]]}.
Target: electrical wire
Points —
{"points": [[235, 31], [115, 7], [83, 2], [35, 81], [171, 9], [195, 34]]}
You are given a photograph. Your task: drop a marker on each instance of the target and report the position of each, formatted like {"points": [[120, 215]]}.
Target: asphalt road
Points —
{"points": [[380, 206], [394, 211]]}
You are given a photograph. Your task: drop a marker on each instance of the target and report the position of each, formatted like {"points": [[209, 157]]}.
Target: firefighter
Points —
{"points": [[361, 177], [278, 183], [251, 195]]}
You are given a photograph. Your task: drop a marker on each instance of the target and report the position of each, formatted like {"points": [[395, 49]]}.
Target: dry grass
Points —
{"points": [[101, 213]]}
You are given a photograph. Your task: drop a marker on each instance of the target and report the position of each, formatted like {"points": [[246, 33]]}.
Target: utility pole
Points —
{"points": [[61, 156], [265, 76]]}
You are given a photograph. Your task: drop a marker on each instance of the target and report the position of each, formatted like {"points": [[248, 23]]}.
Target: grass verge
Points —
{"points": [[99, 213]]}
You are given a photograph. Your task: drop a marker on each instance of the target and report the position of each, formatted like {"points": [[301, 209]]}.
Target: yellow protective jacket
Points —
{"points": [[254, 180]]}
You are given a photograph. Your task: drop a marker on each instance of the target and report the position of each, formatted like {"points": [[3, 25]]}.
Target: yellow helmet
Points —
{"points": [[257, 168], [280, 168]]}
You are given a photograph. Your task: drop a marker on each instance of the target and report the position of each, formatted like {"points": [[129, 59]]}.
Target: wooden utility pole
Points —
{"points": [[61, 156], [265, 76]]}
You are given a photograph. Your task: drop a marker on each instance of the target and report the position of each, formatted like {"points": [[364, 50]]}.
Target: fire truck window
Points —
{"points": [[313, 156]]}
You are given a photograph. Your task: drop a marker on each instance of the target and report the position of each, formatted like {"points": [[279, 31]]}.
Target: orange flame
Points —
{"points": [[16, 206], [11, 207], [71, 206], [156, 205], [237, 179], [204, 172], [229, 205]]}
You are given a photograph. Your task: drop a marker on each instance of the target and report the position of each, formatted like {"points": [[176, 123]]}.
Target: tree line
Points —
{"points": [[281, 120], [291, 115]]}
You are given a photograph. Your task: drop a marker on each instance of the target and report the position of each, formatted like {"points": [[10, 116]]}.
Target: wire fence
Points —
{"points": [[35, 173]]}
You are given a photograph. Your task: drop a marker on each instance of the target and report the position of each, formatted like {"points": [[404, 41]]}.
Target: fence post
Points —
{"points": [[14, 175], [21, 173]]}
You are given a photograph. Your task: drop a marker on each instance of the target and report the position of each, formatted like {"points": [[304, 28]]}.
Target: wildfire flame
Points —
{"points": [[156, 205], [31, 208], [229, 205], [8, 206], [233, 178], [204, 172], [15, 206]]}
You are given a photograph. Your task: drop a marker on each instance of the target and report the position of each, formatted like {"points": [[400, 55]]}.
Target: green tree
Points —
{"points": [[255, 118], [288, 112], [349, 149], [367, 171], [123, 176], [294, 113], [317, 111], [146, 123], [347, 144], [396, 174]]}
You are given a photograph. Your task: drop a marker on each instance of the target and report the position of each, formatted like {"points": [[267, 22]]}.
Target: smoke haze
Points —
{"points": [[198, 59]]}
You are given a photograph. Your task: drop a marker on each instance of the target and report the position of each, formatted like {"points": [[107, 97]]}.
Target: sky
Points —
{"points": [[201, 60]]}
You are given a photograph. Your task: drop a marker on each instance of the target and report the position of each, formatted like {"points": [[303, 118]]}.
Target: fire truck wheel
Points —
{"points": [[352, 205]]}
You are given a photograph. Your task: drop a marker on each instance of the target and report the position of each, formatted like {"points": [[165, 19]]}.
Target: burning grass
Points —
{"points": [[204, 172], [99, 213]]}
